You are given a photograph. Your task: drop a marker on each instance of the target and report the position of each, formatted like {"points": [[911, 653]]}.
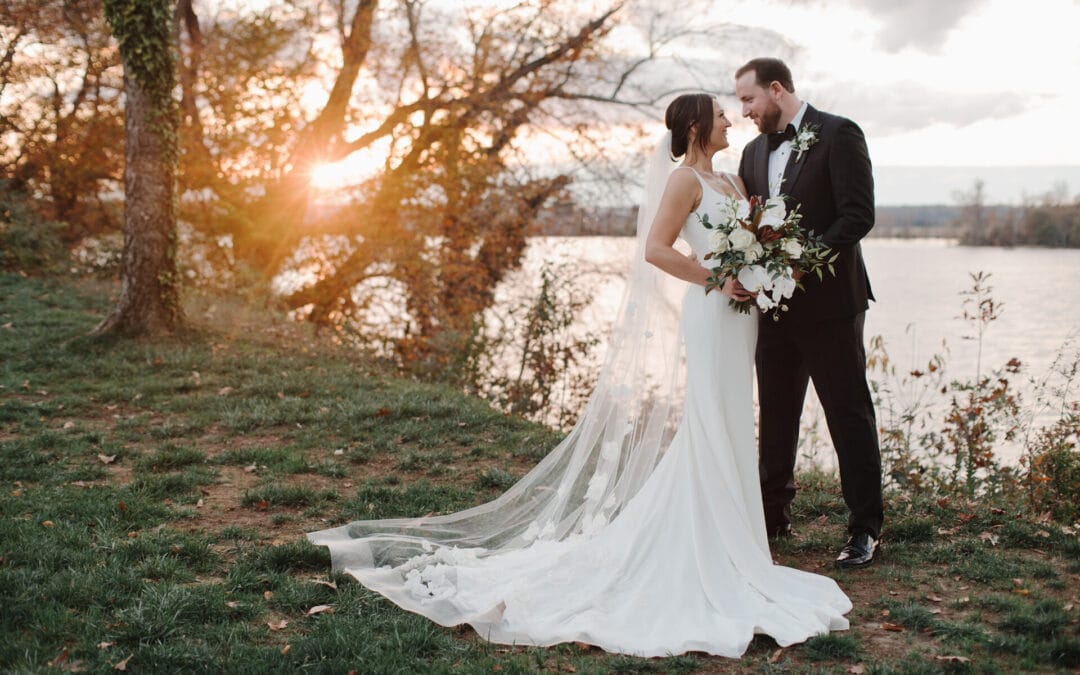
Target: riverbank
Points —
{"points": [[154, 496]]}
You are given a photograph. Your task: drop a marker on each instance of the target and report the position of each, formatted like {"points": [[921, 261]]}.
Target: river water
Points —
{"points": [[918, 284]]}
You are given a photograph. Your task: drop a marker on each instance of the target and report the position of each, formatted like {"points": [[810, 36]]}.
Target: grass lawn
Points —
{"points": [[154, 498]]}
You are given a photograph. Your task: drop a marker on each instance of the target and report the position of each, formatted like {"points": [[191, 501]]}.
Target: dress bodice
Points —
{"points": [[712, 200]]}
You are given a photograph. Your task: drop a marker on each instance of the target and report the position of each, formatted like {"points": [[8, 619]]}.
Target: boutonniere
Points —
{"points": [[804, 140]]}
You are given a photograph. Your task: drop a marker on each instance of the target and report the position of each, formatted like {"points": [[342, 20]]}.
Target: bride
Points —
{"points": [[642, 532]]}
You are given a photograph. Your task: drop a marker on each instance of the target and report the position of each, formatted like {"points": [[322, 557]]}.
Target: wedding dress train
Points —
{"points": [[683, 566]]}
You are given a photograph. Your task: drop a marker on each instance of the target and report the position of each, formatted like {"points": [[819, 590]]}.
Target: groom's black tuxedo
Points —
{"points": [[834, 188], [820, 338]]}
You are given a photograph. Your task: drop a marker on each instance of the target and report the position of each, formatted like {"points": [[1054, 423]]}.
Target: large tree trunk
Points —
{"points": [[149, 300]]}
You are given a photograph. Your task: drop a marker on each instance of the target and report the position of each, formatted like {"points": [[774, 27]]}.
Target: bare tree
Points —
{"points": [[149, 301]]}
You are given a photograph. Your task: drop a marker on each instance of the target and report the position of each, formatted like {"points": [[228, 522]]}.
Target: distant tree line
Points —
{"points": [[1052, 220]]}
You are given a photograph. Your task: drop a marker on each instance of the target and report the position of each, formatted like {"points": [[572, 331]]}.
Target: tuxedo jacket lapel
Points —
{"points": [[794, 168]]}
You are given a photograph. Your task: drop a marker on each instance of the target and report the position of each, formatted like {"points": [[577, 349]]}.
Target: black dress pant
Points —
{"points": [[831, 354]]}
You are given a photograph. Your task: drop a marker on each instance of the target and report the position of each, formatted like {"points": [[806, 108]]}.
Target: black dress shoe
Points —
{"points": [[859, 552]]}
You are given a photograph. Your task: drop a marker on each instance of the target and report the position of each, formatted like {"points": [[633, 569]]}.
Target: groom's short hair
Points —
{"points": [[767, 71]]}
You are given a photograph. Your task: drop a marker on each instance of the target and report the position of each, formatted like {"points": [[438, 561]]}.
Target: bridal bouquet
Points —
{"points": [[760, 244]]}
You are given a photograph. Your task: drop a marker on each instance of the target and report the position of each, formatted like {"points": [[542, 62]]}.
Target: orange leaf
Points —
{"points": [[279, 625], [123, 664], [892, 627]]}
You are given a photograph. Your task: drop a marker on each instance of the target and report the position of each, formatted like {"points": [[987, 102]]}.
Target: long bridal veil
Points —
{"points": [[584, 482]]}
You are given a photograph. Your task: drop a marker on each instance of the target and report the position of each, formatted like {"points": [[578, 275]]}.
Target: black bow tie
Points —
{"points": [[779, 137]]}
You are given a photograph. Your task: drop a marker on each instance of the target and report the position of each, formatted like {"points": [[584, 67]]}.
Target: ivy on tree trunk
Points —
{"points": [[149, 301]]}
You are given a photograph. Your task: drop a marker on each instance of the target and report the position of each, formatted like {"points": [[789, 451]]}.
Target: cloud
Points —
{"points": [[924, 24], [920, 24], [906, 106]]}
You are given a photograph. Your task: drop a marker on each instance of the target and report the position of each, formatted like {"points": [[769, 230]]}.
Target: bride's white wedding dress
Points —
{"points": [[684, 566]]}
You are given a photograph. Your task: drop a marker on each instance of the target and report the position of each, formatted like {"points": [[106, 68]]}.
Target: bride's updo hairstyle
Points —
{"points": [[686, 112]]}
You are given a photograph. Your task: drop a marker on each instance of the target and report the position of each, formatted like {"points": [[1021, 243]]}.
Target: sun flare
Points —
{"points": [[353, 170]]}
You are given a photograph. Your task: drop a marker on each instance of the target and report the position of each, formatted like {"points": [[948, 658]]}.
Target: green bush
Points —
{"points": [[28, 242]]}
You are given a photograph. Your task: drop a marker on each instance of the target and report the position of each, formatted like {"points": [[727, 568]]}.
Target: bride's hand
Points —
{"points": [[736, 291]]}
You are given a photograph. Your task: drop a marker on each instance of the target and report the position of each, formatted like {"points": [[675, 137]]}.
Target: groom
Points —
{"points": [[821, 163]]}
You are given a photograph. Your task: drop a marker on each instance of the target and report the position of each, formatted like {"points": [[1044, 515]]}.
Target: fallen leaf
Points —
{"points": [[857, 669], [105, 645], [60, 659], [989, 538], [106, 459], [1068, 607], [47, 523], [776, 656], [225, 391], [9, 325], [996, 511], [133, 535], [952, 659], [328, 584], [123, 664], [71, 425], [262, 505], [885, 612], [268, 595], [196, 379], [1018, 582], [232, 604], [949, 532], [1043, 533], [286, 649], [199, 504], [935, 611], [497, 668], [382, 412], [1021, 591], [339, 452], [278, 625], [966, 517], [892, 627], [964, 600], [933, 598], [281, 395], [250, 468], [121, 505], [320, 609], [16, 493]]}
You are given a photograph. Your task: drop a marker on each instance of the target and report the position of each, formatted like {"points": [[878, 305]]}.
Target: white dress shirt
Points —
{"points": [[778, 158]]}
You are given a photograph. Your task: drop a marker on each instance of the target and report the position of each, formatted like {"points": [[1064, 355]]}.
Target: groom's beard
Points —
{"points": [[769, 122]]}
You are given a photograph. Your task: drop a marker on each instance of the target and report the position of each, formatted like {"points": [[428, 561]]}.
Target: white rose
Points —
{"points": [[718, 241], [742, 208], [776, 205], [772, 218], [741, 239], [793, 248], [753, 252]]}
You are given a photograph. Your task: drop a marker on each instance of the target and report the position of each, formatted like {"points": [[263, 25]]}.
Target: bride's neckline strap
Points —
{"points": [[723, 174]]}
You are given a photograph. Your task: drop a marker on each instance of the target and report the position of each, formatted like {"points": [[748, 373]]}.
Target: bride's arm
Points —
{"points": [[681, 195]]}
